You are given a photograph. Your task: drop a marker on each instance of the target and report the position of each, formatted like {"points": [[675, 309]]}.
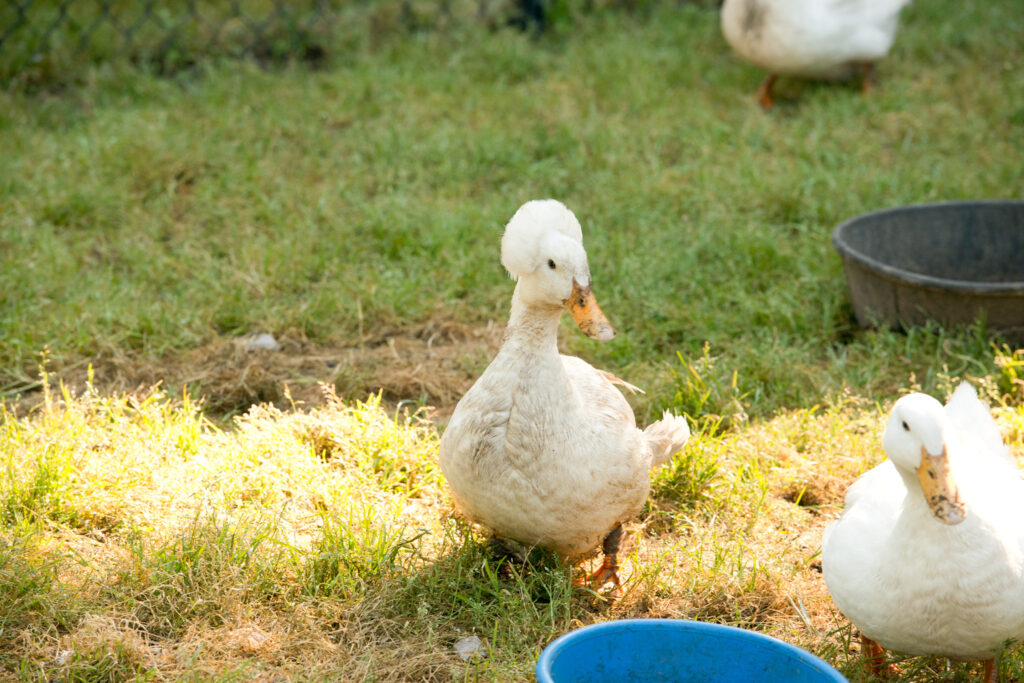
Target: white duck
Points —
{"points": [[543, 449], [811, 38], [928, 556]]}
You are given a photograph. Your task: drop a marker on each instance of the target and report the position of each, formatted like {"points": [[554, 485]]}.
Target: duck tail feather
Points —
{"points": [[666, 437], [973, 419]]}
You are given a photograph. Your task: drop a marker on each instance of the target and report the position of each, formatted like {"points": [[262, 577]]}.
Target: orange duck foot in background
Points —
{"points": [[867, 77], [764, 91]]}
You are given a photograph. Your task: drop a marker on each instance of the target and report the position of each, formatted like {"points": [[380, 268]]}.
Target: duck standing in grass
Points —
{"points": [[543, 449], [827, 39], [928, 556]]}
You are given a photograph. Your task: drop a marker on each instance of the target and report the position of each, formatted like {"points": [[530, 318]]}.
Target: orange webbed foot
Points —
{"points": [[874, 655], [608, 572]]}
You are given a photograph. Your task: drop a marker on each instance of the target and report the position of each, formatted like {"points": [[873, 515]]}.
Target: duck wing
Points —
{"points": [[663, 438], [621, 382], [873, 502], [604, 403], [851, 546]]}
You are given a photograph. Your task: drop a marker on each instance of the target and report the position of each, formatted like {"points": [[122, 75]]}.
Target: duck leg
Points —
{"points": [[764, 91], [867, 74], [505, 554], [991, 671], [608, 572], [501, 549], [874, 655]]}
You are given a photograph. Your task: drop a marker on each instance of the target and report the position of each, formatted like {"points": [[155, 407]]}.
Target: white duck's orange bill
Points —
{"points": [[587, 314], [939, 488]]}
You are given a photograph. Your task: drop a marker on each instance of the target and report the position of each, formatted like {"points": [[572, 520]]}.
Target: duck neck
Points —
{"points": [[532, 327], [915, 501], [915, 506]]}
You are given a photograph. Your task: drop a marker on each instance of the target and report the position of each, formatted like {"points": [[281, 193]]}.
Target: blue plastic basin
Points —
{"points": [[676, 651]]}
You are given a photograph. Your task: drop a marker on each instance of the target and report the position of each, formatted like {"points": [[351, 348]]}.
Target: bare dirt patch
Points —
{"points": [[432, 365]]}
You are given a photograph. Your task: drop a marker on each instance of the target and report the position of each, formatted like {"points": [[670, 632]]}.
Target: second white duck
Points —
{"points": [[543, 449], [928, 556]]}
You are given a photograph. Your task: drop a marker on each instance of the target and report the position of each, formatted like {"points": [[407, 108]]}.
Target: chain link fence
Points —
{"points": [[45, 41]]}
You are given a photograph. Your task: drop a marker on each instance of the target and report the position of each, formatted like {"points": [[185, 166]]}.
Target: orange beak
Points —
{"points": [[939, 488], [587, 314]]}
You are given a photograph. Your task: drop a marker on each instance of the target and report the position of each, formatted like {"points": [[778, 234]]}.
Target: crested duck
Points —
{"points": [[543, 449]]}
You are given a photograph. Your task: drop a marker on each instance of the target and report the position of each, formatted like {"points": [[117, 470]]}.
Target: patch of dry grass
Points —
{"points": [[431, 364]]}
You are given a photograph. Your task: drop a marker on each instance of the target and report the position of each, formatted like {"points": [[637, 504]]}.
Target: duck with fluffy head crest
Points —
{"points": [[928, 555], [543, 449], [826, 39]]}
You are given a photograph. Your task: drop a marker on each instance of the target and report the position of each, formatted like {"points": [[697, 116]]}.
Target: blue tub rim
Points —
{"points": [[548, 655], [848, 253]]}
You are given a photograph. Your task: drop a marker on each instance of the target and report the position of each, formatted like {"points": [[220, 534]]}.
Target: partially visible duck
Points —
{"points": [[811, 38], [543, 449], [928, 556]]}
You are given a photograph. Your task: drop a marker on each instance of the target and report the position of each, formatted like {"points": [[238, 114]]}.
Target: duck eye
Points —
{"points": [[551, 264], [906, 427]]}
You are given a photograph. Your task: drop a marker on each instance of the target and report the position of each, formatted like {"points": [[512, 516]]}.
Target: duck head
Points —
{"points": [[915, 441], [543, 249]]}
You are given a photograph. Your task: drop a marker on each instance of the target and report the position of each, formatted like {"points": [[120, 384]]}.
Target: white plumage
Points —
{"points": [[543, 448], [934, 572]]}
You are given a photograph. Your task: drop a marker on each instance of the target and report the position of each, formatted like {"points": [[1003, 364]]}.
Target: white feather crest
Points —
{"points": [[525, 233]]}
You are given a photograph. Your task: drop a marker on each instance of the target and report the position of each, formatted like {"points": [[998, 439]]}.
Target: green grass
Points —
{"points": [[146, 216], [144, 219]]}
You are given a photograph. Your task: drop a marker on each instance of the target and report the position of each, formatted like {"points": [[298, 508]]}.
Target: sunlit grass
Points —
{"points": [[269, 548], [255, 546]]}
